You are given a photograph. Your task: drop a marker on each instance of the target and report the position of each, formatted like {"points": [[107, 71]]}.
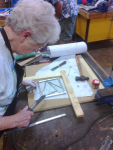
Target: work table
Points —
{"points": [[58, 133], [94, 15], [94, 26]]}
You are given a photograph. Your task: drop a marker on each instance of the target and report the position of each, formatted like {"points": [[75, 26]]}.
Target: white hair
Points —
{"points": [[37, 16]]}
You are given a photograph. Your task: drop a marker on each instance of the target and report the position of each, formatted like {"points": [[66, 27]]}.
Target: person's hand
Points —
{"points": [[29, 82], [23, 117]]}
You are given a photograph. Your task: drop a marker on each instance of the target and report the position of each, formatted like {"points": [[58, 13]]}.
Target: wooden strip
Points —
{"points": [[79, 65], [41, 77], [75, 103], [28, 60], [83, 62]]}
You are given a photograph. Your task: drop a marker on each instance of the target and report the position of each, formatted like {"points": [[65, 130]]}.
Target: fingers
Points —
{"points": [[25, 108], [23, 117], [30, 82], [33, 84]]}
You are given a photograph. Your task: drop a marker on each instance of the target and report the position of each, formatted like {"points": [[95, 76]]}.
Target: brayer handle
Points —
{"points": [[36, 103]]}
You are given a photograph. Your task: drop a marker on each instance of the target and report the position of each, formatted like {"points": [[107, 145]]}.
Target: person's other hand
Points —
{"points": [[29, 82], [23, 117]]}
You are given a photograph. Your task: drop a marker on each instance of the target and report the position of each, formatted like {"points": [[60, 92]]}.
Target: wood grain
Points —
{"points": [[75, 103], [54, 75], [79, 65]]}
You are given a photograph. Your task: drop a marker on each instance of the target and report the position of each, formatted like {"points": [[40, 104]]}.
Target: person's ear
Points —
{"points": [[24, 35]]}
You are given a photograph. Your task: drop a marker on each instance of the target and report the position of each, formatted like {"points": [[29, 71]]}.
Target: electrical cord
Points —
{"points": [[86, 132], [14, 140]]}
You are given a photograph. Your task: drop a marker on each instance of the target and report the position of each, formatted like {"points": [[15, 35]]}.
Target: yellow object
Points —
{"points": [[94, 26], [81, 26], [99, 29], [24, 75]]}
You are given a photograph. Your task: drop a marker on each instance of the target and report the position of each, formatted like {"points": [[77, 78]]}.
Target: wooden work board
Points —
{"points": [[55, 103]]}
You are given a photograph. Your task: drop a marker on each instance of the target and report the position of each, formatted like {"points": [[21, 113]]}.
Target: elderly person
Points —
{"points": [[66, 13], [30, 25]]}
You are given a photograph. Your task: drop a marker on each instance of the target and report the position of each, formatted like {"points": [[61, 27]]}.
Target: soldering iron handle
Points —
{"points": [[36, 103]]}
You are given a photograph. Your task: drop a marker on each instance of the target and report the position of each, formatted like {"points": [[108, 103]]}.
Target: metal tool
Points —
{"points": [[64, 62], [109, 125], [36, 103], [106, 144], [45, 55], [105, 118], [36, 123], [81, 78], [36, 62], [95, 71], [29, 88]]}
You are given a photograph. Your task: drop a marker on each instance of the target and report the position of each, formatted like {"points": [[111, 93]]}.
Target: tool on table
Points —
{"points": [[29, 88], [106, 117], [37, 62], [81, 78], [109, 125], [106, 144], [36, 123], [95, 83], [105, 96], [45, 55], [95, 71], [29, 59], [64, 62], [36, 103], [19, 57]]}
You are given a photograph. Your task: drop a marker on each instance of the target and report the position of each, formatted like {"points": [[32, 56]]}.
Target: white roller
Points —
{"points": [[67, 49]]}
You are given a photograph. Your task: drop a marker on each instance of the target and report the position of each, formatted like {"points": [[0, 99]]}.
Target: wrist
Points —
{"points": [[15, 121]]}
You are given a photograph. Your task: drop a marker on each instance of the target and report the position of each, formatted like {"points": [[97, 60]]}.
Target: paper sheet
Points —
{"points": [[67, 49], [80, 88]]}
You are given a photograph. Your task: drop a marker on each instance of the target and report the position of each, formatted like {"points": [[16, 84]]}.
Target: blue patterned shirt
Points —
{"points": [[69, 8]]}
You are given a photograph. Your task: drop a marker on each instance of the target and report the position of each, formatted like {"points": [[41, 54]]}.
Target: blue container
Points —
{"points": [[13, 2], [4, 9]]}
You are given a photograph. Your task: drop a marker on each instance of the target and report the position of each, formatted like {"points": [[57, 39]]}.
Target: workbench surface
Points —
{"points": [[94, 26], [58, 133]]}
